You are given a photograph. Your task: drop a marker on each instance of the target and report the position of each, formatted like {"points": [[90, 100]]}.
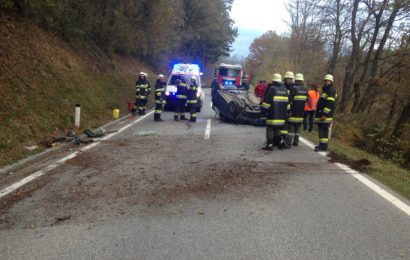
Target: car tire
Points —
{"points": [[234, 111]]}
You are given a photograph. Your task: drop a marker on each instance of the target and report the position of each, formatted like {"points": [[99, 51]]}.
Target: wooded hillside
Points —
{"points": [[155, 31], [365, 44]]}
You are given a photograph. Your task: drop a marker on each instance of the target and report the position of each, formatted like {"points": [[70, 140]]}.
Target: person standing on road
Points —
{"points": [[182, 95], [159, 97], [260, 89], [275, 105], [193, 99], [310, 107], [298, 97], [142, 89], [245, 82], [325, 111], [289, 83]]}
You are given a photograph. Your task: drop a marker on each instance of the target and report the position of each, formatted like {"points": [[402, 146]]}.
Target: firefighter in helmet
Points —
{"points": [[275, 105], [160, 85], [325, 111], [142, 91], [182, 95], [289, 79], [192, 99], [297, 100]]}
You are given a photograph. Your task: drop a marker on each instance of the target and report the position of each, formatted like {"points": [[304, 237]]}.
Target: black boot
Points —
{"points": [[143, 112], [176, 118], [157, 118], [183, 117], [269, 146], [193, 120], [283, 144], [296, 140], [321, 148]]}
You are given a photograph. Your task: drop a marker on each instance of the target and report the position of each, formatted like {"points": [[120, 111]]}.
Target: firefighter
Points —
{"points": [[325, 111], [159, 97], [289, 79], [182, 95], [142, 89], [192, 99], [297, 98], [275, 105]]}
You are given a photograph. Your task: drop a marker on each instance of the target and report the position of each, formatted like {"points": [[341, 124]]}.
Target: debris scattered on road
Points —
{"points": [[201, 212], [64, 218], [31, 147], [145, 133], [92, 134]]}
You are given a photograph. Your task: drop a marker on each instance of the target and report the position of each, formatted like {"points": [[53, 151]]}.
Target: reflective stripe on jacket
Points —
{"points": [[326, 105], [142, 89], [182, 90], [275, 105], [298, 98]]}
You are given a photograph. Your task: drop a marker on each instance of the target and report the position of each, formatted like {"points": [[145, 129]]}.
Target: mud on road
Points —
{"points": [[123, 180]]}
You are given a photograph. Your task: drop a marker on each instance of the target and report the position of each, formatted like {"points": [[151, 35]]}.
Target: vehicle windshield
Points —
{"points": [[225, 72], [173, 79]]}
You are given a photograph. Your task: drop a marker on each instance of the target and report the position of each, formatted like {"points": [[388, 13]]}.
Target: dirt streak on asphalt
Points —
{"points": [[123, 180]]}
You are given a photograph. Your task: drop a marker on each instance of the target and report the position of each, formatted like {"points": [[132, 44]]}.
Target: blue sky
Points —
{"points": [[254, 17]]}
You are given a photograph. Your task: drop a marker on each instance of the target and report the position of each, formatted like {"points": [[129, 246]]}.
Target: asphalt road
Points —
{"points": [[165, 191]]}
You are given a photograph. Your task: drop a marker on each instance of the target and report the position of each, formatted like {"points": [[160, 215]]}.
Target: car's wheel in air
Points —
{"points": [[234, 111]]}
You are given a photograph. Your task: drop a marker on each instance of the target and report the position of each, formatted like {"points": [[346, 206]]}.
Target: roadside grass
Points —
{"points": [[41, 80], [382, 170]]}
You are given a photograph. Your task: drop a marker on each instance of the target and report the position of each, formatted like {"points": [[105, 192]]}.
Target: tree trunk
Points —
{"points": [[353, 60], [403, 119], [378, 54]]}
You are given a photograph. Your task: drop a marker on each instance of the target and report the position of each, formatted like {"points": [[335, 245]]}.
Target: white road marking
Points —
{"points": [[366, 181], [208, 130], [12, 188], [376, 188]]}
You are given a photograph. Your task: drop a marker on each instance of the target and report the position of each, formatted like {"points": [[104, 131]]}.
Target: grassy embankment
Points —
{"points": [[41, 80], [384, 171]]}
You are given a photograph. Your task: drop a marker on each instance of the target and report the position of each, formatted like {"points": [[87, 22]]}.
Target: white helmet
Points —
{"points": [[142, 74], [193, 78], [160, 76]]}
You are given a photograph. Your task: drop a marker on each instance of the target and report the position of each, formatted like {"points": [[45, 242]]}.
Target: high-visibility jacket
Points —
{"points": [[192, 92], [297, 100], [142, 89], [159, 91], [182, 90], [326, 105], [276, 105], [313, 98]]}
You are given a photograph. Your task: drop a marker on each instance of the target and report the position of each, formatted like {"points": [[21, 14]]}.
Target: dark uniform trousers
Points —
{"points": [[324, 116], [275, 106], [298, 99], [159, 101], [192, 104], [182, 96]]}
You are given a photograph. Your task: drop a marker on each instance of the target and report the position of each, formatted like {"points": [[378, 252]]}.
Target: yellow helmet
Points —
{"points": [[277, 77], [329, 77], [289, 75], [299, 77]]}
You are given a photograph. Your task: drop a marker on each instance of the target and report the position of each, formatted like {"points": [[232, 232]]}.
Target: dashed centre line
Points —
{"points": [[208, 129]]}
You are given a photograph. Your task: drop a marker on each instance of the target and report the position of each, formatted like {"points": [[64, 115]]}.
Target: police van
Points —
{"points": [[183, 71]]}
